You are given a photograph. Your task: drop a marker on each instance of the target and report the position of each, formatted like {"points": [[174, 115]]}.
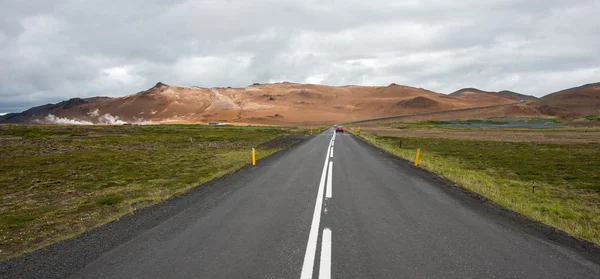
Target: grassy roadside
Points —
{"points": [[567, 177], [58, 181]]}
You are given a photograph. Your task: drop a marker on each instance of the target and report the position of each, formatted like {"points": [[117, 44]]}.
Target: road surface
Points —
{"points": [[335, 207]]}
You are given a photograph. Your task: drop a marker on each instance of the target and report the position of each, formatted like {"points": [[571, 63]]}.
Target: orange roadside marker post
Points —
{"points": [[417, 157], [253, 156]]}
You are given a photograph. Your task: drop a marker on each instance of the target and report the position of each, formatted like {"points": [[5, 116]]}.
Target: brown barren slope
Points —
{"points": [[578, 101], [292, 103], [517, 96], [276, 103]]}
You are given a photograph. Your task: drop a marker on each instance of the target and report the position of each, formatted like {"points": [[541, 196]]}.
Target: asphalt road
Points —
{"points": [[336, 208]]}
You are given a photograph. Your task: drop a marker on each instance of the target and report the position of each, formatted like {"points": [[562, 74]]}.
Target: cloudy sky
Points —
{"points": [[54, 50]]}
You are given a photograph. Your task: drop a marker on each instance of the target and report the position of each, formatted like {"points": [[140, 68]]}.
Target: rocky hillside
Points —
{"points": [[276, 103], [292, 103], [578, 101]]}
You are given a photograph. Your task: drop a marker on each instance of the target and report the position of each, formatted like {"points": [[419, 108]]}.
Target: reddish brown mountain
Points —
{"points": [[292, 103], [473, 93], [517, 96], [578, 101], [276, 103]]}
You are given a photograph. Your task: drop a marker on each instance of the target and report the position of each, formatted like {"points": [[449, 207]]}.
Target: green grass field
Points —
{"points": [[58, 181], [567, 176]]}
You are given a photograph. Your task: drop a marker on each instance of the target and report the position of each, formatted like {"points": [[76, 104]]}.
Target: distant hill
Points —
{"points": [[71, 106], [517, 96], [293, 103], [469, 91], [475, 93], [578, 101], [577, 89], [276, 103]]}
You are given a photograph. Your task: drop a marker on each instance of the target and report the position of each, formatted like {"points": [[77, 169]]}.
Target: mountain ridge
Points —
{"points": [[287, 102]]}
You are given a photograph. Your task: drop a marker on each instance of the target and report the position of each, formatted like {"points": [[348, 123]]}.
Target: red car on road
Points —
{"points": [[339, 129]]}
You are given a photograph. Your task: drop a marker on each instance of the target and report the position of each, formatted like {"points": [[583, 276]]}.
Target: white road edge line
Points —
{"points": [[325, 266], [331, 151], [311, 246], [329, 180]]}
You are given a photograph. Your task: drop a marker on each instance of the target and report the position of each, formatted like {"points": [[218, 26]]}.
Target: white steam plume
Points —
{"points": [[97, 119], [94, 113], [141, 121], [110, 120], [60, 120]]}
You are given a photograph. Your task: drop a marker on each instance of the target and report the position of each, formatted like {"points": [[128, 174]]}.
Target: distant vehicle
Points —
{"points": [[339, 129]]}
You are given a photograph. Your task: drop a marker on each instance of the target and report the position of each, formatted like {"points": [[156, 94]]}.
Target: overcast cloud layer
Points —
{"points": [[54, 50]]}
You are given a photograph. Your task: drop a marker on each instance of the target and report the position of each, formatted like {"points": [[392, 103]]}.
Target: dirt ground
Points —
{"points": [[571, 136]]}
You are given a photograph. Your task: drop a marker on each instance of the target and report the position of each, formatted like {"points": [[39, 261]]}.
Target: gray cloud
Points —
{"points": [[54, 50]]}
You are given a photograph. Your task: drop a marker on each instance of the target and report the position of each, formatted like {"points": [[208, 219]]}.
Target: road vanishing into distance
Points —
{"points": [[330, 207]]}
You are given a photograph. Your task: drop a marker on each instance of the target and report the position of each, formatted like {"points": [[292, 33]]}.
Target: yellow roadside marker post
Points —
{"points": [[253, 156], [359, 130], [311, 131], [417, 157]]}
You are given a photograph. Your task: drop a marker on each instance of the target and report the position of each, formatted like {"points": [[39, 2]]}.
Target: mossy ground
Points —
{"points": [[58, 181]]}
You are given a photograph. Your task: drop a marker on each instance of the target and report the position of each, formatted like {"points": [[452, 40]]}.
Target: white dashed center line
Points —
{"points": [[325, 266], [329, 181], [311, 246]]}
